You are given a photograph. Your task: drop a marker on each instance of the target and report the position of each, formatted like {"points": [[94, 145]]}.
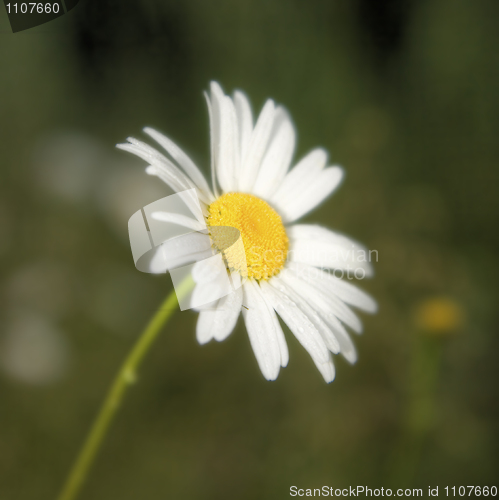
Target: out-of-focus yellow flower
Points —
{"points": [[439, 315]]}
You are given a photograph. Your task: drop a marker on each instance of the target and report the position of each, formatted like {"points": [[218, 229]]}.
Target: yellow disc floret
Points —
{"points": [[262, 232]]}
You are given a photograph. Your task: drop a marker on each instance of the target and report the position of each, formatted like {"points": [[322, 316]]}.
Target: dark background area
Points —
{"points": [[403, 95]]}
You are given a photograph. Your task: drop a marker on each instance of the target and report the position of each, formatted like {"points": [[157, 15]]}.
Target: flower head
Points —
{"points": [[288, 269]]}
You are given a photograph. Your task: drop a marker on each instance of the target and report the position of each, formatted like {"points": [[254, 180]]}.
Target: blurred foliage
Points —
{"points": [[403, 94]]}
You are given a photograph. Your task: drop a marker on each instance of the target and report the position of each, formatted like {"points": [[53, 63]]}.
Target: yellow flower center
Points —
{"points": [[262, 233]]}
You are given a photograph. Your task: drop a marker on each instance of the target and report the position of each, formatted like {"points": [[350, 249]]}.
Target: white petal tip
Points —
{"points": [[372, 308], [329, 377], [202, 336], [216, 88], [271, 378], [351, 357]]}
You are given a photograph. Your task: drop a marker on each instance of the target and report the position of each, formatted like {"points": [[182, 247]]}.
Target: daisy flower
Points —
{"points": [[290, 270]]}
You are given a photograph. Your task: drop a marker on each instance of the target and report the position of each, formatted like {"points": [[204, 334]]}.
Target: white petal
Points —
{"points": [[198, 209], [165, 170], [327, 369], [256, 150], [337, 341], [307, 169], [316, 300], [162, 167], [277, 159], [283, 346], [216, 99], [311, 195], [228, 153], [204, 325], [212, 283], [328, 336], [244, 122], [331, 284], [225, 139], [297, 322], [214, 127], [347, 347], [261, 331], [181, 158], [326, 304], [209, 270], [220, 322], [320, 247]]}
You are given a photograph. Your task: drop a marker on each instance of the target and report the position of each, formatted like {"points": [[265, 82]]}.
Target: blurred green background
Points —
{"points": [[404, 95]]}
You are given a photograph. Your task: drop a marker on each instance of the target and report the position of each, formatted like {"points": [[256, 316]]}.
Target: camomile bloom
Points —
{"points": [[292, 271]]}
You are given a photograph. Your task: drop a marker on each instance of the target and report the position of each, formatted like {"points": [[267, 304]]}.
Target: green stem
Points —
{"points": [[420, 413], [125, 377]]}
